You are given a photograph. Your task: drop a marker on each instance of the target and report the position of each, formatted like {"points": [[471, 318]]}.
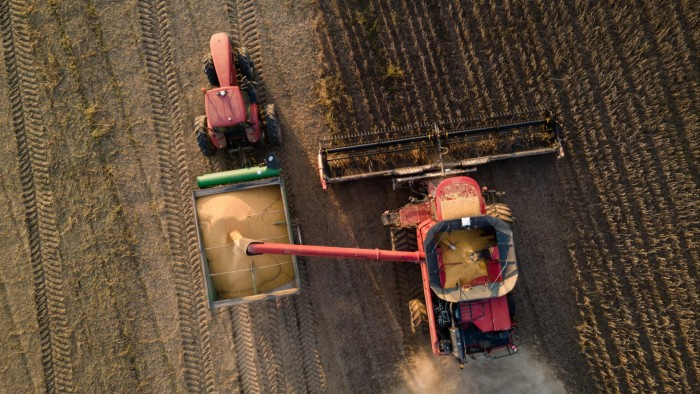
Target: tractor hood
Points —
{"points": [[500, 280], [225, 106]]}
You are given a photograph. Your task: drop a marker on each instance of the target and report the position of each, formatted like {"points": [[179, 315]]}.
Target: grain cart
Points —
{"points": [[234, 119], [251, 201], [464, 248]]}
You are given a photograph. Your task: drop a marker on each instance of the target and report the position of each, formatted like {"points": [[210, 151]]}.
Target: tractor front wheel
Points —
{"points": [[210, 71], [200, 129], [272, 127], [245, 64]]}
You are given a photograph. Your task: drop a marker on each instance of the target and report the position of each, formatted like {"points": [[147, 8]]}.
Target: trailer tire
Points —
{"points": [[501, 211], [245, 64], [272, 126], [210, 71]]}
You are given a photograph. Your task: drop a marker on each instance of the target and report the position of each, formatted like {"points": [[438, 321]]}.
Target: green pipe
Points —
{"points": [[235, 176]]}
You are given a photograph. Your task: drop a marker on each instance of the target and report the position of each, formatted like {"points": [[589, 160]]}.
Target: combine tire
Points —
{"points": [[501, 211], [419, 315], [210, 72], [245, 64], [409, 285], [403, 239], [274, 132], [200, 129]]}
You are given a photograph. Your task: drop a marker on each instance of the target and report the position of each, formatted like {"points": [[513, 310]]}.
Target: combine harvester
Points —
{"points": [[463, 244]]}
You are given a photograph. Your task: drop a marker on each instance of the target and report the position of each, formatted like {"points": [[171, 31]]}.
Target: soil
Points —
{"points": [[102, 287]]}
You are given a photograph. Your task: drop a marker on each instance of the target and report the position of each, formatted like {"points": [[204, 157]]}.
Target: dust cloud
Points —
{"points": [[521, 373]]}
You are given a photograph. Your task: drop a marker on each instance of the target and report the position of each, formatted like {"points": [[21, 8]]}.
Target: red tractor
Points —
{"points": [[234, 118]]}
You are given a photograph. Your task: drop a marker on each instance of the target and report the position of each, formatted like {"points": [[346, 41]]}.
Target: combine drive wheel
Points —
{"points": [[409, 285], [245, 64], [210, 71], [419, 315], [274, 132], [200, 129], [501, 211]]}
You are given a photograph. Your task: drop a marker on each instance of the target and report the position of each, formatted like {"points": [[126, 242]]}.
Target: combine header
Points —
{"points": [[440, 149]]}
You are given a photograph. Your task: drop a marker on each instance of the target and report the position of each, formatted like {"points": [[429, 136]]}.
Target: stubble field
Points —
{"points": [[101, 288]]}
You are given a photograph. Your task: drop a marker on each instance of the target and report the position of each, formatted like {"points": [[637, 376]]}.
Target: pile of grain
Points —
{"points": [[256, 214]]}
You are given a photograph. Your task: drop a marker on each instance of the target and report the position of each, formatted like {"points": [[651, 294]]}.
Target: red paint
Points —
{"points": [[222, 55], [421, 231], [332, 251], [224, 107], [488, 315], [253, 133], [455, 188], [320, 171]]}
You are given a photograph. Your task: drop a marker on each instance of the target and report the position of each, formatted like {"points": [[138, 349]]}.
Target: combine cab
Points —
{"points": [[234, 120]]}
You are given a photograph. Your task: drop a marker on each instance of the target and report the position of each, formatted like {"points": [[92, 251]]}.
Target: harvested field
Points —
{"points": [[102, 291]]}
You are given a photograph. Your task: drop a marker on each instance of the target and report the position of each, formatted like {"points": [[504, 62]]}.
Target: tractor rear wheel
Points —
{"points": [[210, 71], [200, 129], [501, 211], [245, 64], [272, 127]]}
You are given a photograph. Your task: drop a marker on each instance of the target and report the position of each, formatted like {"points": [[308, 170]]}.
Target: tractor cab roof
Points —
{"points": [[225, 106]]}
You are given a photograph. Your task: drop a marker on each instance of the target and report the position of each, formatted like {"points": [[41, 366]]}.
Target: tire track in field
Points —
{"points": [[244, 348], [242, 22], [275, 355], [240, 14], [267, 325], [41, 219], [291, 343], [268, 346], [168, 125]]}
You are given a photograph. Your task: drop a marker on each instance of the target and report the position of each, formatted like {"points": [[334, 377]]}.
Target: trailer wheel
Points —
{"points": [[245, 64], [419, 315], [200, 129], [274, 132], [210, 71], [501, 211]]}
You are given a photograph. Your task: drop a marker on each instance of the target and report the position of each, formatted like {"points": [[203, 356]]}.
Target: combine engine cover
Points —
{"points": [[470, 267]]}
